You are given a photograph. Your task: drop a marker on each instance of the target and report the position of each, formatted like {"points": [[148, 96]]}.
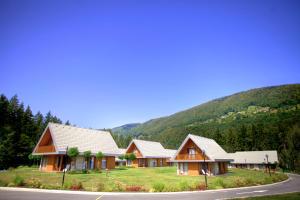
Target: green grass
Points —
{"points": [[290, 196], [126, 179]]}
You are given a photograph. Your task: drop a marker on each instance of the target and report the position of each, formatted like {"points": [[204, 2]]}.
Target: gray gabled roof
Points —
{"points": [[211, 148], [254, 157], [150, 149], [122, 151], [84, 139], [171, 152]]}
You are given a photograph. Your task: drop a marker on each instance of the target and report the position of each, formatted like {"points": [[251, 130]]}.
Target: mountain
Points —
{"points": [[258, 119], [125, 129]]}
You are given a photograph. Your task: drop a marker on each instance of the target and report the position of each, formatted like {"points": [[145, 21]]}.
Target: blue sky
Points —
{"points": [[107, 63]]}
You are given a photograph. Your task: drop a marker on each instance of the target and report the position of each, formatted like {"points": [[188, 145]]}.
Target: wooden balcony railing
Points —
{"points": [[189, 157], [45, 149]]}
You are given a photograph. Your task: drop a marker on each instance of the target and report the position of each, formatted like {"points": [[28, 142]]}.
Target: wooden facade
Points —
{"points": [[141, 161], [194, 164], [57, 162]]}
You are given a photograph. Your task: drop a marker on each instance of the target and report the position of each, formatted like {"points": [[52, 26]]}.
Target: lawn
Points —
{"points": [[134, 179], [290, 196]]}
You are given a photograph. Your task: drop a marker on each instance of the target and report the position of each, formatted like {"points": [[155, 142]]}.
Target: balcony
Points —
{"points": [[189, 157], [45, 149]]}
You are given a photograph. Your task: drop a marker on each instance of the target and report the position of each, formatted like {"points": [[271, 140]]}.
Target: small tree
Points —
{"points": [[126, 157], [73, 153], [87, 155], [130, 156], [99, 157], [121, 157]]}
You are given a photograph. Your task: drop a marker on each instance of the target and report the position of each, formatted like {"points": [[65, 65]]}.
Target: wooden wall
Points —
{"points": [[183, 154], [133, 149]]}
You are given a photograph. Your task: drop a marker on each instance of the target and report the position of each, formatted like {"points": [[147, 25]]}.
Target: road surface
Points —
{"points": [[291, 185]]}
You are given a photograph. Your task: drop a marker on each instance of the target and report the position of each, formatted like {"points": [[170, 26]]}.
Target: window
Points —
{"points": [[103, 164], [192, 152], [183, 168]]}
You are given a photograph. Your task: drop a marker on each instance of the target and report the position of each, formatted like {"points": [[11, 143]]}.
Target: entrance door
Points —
{"points": [[79, 163], [152, 163], [103, 165]]}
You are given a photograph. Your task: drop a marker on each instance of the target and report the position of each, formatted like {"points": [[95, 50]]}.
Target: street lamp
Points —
{"points": [[203, 153], [267, 156]]}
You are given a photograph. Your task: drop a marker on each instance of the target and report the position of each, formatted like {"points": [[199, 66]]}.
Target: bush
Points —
{"points": [[76, 185], [100, 187], [249, 181], [3, 183], [134, 188], [19, 181], [33, 183], [184, 186], [158, 187], [239, 182], [220, 183], [171, 188], [11, 185], [201, 186], [118, 186]]}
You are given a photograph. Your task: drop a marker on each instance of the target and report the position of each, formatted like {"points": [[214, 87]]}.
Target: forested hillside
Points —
{"points": [[259, 119], [20, 129]]}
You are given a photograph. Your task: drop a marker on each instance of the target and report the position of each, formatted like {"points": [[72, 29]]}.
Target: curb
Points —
{"points": [[133, 193]]}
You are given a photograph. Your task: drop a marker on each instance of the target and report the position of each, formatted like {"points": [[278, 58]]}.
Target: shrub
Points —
{"points": [[122, 168], [33, 183], [158, 187], [239, 182], [201, 186], [118, 186], [249, 181], [184, 186], [76, 185], [11, 185], [3, 183], [19, 181], [220, 183], [133, 188], [100, 187], [171, 188], [268, 180]]}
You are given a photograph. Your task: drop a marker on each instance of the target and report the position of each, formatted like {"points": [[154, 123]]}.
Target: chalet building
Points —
{"points": [[148, 154], [198, 155], [120, 162], [253, 159], [55, 140]]}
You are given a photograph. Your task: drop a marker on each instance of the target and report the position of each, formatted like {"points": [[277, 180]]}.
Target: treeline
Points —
{"points": [[20, 130], [279, 131]]}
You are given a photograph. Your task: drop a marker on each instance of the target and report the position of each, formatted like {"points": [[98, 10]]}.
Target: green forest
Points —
{"points": [[20, 130], [259, 119]]}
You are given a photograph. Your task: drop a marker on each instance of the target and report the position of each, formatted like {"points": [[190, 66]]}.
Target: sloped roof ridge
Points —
{"points": [[77, 127]]}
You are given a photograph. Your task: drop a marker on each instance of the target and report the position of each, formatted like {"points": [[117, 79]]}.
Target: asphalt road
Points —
{"points": [[292, 185]]}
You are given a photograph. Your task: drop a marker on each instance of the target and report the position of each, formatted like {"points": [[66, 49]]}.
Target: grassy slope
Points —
{"points": [[172, 129], [291, 196], [147, 177]]}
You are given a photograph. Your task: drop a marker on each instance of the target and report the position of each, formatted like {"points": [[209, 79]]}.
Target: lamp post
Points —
{"points": [[203, 153], [267, 156], [64, 170]]}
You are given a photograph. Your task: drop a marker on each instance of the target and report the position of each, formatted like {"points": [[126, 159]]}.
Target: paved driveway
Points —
{"points": [[291, 185]]}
